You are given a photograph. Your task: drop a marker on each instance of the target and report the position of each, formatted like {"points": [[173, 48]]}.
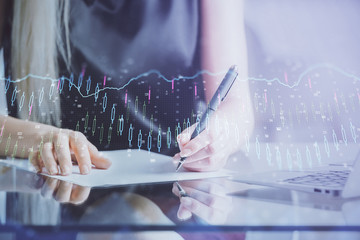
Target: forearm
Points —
{"points": [[18, 136], [223, 40], [223, 45]]}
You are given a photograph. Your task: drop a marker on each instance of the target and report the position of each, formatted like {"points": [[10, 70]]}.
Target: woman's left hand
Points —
{"points": [[64, 192]]}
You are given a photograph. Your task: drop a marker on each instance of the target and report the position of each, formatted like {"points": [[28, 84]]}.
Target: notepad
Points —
{"points": [[128, 167]]}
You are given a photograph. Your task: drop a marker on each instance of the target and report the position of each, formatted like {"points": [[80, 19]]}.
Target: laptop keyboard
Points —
{"points": [[325, 179]]}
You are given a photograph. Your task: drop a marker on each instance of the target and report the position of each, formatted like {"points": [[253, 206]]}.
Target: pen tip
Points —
{"points": [[181, 162], [178, 167]]}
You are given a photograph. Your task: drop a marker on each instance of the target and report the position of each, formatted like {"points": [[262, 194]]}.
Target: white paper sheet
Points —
{"points": [[128, 167]]}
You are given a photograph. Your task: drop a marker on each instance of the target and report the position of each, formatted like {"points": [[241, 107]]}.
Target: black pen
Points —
{"points": [[218, 97], [182, 192]]}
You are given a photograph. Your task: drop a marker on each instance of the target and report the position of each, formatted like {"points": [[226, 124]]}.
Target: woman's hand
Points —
{"points": [[206, 152], [206, 199], [50, 147], [27, 182], [64, 192], [59, 148], [210, 150]]}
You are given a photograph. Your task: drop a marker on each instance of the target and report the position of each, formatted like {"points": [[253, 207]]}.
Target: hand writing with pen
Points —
{"points": [[204, 198]]}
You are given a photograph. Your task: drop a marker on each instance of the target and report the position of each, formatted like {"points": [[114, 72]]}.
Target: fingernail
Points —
{"points": [[53, 170], [37, 169], [185, 201], [184, 214], [175, 162], [85, 169], [65, 170], [185, 153]]}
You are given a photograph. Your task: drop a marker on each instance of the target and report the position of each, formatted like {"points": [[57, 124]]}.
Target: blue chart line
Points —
{"points": [[307, 71], [146, 74], [159, 75]]}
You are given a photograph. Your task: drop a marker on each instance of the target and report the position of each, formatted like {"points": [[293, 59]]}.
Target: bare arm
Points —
{"points": [[223, 44], [48, 146], [223, 36], [18, 132]]}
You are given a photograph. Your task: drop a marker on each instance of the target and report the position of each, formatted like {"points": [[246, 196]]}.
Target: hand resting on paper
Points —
{"points": [[64, 192], [50, 188], [49, 147], [67, 146]]}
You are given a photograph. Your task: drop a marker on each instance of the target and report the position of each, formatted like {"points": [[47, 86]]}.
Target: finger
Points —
{"points": [[211, 215], [79, 194], [176, 158], [205, 186], [185, 135], [207, 151], [47, 157], [35, 161], [219, 201], [62, 150], [183, 213], [48, 189], [36, 181], [196, 144], [183, 139], [97, 158], [211, 200], [211, 163], [63, 192], [78, 145]]}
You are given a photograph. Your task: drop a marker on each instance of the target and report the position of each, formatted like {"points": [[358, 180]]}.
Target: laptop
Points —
{"points": [[333, 180]]}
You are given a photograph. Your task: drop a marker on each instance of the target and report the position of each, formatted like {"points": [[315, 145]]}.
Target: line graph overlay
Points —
{"points": [[302, 77]]}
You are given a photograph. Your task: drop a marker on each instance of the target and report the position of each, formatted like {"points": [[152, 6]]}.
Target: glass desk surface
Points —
{"points": [[34, 205]]}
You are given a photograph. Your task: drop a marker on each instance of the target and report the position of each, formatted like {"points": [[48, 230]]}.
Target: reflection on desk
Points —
{"points": [[34, 201]]}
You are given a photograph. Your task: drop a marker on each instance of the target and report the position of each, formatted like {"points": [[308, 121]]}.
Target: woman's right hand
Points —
{"points": [[206, 199], [59, 148]]}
